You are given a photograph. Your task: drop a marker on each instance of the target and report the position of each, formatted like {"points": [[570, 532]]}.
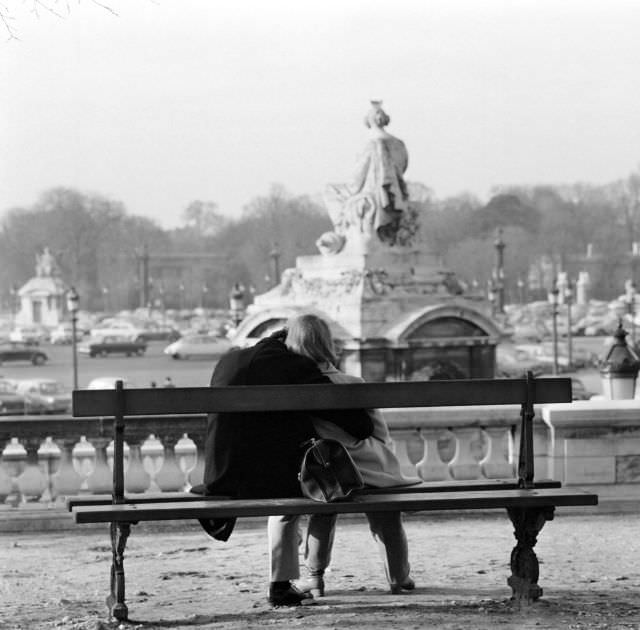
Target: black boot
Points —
{"points": [[286, 594]]}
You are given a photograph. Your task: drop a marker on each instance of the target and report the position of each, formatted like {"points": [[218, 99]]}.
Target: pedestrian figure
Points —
{"points": [[168, 382]]}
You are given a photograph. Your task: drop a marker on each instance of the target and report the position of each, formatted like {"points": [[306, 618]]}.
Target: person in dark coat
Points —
{"points": [[258, 455]]}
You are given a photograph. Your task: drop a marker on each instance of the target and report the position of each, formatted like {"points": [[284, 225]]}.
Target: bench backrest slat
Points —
{"points": [[186, 400]]}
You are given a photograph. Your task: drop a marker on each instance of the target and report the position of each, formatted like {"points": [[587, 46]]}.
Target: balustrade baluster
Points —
{"points": [[6, 484], [196, 476], [408, 448], [186, 453], [170, 478], [67, 481], [431, 467], [32, 482], [49, 458], [136, 478], [464, 465], [100, 481], [152, 453], [496, 464], [84, 460], [14, 456]]}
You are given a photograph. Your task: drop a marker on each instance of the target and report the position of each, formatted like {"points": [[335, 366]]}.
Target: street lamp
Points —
{"points": [[554, 322], [275, 255], [499, 244], [619, 368], [568, 296], [73, 300]]}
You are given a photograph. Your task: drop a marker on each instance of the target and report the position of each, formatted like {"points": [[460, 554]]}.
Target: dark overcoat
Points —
{"points": [[257, 455]]}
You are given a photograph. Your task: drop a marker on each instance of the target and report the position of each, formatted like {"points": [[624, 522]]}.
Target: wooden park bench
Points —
{"points": [[529, 504]]}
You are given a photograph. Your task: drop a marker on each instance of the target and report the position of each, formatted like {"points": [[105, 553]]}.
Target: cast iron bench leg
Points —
{"points": [[119, 534], [527, 523]]}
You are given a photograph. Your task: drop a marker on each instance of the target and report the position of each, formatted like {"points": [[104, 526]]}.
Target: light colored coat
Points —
{"points": [[374, 456]]}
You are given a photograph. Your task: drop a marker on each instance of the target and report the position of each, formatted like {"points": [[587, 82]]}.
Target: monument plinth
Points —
{"points": [[387, 298]]}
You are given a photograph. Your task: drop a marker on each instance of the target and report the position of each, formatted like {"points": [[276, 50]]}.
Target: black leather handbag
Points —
{"points": [[327, 472]]}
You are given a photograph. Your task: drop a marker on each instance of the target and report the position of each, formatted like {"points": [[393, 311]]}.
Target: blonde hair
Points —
{"points": [[310, 336]]}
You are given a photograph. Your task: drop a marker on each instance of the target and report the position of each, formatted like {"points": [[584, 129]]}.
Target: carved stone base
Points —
{"points": [[525, 569]]}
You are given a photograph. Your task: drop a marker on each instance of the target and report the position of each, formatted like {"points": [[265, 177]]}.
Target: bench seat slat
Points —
{"points": [[195, 400], [408, 502], [427, 486]]}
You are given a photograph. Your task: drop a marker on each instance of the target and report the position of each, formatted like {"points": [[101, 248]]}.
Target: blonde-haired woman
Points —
{"points": [[310, 336]]}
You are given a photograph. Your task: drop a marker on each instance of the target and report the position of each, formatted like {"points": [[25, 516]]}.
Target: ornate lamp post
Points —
{"points": [[499, 244], [275, 256], [619, 368], [554, 325], [73, 300], [568, 296]]}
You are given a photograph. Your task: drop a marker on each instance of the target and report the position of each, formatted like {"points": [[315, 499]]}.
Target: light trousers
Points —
{"points": [[387, 530], [284, 540], [283, 533]]}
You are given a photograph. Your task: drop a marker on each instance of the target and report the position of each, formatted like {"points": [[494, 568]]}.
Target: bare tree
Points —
{"points": [[11, 11]]}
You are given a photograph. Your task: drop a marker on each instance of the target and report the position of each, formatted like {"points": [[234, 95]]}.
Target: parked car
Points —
{"points": [[30, 335], [108, 382], [22, 352], [63, 334], [158, 332], [198, 346], [105, 345], [116, 327], [11, 403], [44, 395]]}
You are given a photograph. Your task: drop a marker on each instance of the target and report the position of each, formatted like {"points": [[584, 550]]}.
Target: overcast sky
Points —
{"points": [[176, 100]]}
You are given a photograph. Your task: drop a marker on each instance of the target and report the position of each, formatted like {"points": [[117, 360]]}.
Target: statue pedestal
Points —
{"points": [[378, 305]]}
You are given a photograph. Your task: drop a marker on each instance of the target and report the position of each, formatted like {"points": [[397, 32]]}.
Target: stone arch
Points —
{"points": [[260, 324], [410, 326], [443, 341]]}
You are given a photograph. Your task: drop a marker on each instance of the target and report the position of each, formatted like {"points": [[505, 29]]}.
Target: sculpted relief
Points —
{"points": [[374, 208]]}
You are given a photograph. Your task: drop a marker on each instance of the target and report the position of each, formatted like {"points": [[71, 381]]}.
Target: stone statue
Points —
{"points": [[46, 265], [369, 210]]}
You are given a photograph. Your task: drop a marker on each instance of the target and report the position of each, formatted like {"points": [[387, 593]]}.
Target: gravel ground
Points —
{"points": [[179, 578]]}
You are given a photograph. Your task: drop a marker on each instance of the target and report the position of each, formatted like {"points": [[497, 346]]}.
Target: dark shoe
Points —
{"points": [[407, 585], [313, 584], [287, 596]]}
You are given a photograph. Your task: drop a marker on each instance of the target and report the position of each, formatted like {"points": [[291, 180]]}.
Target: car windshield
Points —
{"points": [[6, 388], [50, 388]]}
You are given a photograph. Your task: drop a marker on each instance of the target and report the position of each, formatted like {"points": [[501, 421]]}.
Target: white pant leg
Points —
{"points": [[284, 539]]}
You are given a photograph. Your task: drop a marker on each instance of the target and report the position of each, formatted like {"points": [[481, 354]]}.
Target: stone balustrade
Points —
{"points": [[45, 459]]}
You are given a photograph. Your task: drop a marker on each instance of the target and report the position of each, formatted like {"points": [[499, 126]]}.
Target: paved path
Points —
{"points": [[590, 572]]}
